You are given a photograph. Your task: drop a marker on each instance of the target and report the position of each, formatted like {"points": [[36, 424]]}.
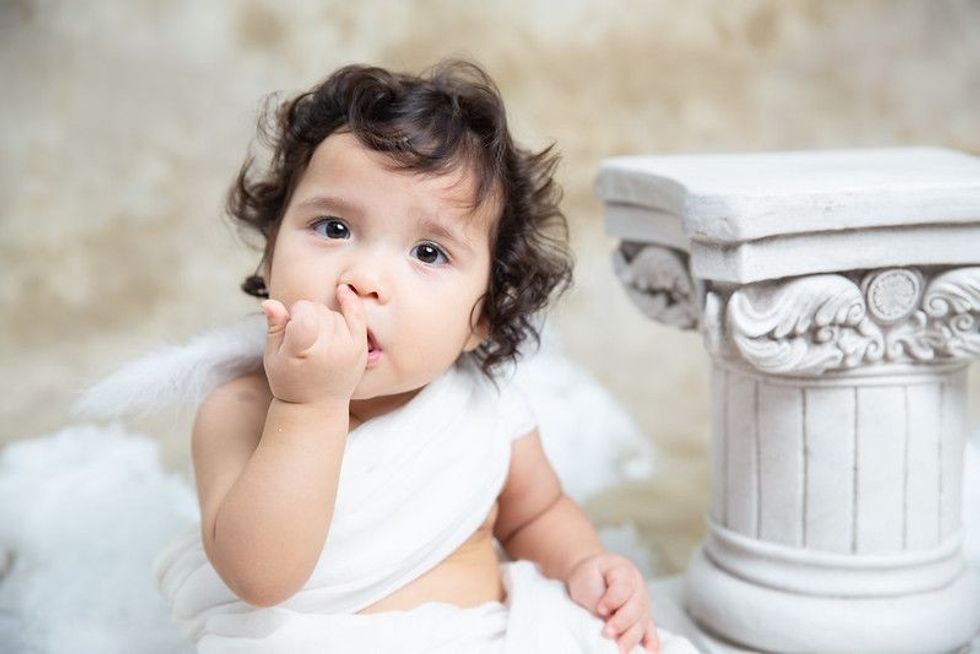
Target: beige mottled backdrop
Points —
{"points": [[122, 123]]}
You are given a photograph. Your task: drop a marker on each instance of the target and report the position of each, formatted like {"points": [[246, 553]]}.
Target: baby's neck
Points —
{"points": [[363, 410]]}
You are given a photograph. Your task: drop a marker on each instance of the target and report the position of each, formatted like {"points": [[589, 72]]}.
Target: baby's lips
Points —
{"points": [[371, 342]]}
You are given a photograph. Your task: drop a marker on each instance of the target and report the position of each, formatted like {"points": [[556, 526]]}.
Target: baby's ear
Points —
{"points": [[478, 335]]}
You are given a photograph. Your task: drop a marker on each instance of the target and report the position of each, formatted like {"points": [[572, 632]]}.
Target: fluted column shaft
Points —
{"points": [[850, 465]]}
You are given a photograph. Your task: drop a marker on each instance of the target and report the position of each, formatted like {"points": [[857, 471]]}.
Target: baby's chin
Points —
{"points": [[384, 381], [384, 394]]}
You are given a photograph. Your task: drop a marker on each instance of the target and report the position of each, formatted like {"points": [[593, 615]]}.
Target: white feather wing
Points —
{"points": [[177, 374]]}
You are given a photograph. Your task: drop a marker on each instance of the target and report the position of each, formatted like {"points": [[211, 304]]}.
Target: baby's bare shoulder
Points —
{"points": [[247, 389], [242, 401], [227, 429], [251, 387]]}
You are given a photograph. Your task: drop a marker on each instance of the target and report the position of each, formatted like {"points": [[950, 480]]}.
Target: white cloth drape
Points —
{"points": [[537, 617], [414, 485]]}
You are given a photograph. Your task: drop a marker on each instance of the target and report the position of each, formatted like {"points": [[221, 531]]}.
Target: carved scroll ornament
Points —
{"points": [[823, 322], [657, 280]]}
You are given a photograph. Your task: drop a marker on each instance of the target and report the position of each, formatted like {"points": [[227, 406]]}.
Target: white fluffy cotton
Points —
{"points": [[587, 435], [84, 512]]}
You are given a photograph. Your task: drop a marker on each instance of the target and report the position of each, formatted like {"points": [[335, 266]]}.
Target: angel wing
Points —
{"points": [[176, 374]]}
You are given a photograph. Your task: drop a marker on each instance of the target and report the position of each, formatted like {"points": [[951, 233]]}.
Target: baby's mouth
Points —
{"points": [[374, 351], [372, 344]]}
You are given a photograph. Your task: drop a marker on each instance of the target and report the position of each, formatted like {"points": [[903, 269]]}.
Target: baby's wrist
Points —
{"points": [[578, 562], [306, 394], [323, 409]]}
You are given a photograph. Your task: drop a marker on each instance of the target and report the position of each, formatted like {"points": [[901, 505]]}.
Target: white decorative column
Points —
{"points": [[838, 293]]}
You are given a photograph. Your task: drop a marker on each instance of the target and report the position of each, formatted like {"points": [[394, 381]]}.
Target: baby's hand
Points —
{"points": [[611, 587], [313, 353]]}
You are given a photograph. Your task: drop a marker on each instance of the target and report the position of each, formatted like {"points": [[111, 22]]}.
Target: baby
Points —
{"points": [[357, 490]]}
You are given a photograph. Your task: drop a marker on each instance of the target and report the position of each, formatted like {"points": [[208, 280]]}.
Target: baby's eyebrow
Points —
{"points": [[430, 226], [331, 202]]}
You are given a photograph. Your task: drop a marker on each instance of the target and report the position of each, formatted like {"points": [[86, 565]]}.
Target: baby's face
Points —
{"points": [[409, 245]]}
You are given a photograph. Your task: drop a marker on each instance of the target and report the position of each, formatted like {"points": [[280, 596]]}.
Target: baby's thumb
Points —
{"points": [[276, 318]]}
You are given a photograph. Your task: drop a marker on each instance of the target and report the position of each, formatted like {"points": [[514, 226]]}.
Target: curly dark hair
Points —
{"points": [[452, 115]]}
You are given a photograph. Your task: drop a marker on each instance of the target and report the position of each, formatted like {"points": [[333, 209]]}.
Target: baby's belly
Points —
{"points": [[468, 577]]}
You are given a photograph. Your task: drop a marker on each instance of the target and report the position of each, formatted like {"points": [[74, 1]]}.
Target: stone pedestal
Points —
{"points": [[838, 293]]}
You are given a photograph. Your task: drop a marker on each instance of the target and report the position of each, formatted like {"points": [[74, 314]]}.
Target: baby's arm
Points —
{"points": [[267, 465], [538, 522], [266, 483]]}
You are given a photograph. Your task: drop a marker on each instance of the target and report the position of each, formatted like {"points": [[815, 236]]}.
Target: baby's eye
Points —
{"points": [[331, 228], [429, 253]]}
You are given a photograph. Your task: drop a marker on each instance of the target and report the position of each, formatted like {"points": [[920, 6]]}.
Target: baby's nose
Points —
{"points": [[365, 286], [362, 293]]}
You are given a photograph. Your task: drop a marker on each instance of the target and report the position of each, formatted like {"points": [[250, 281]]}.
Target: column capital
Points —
{"points": [[746, 218], [802, 263], [818, 323]]}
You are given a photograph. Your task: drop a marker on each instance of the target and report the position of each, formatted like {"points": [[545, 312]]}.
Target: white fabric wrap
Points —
{"points": [[414, 485], [538, 617]]}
